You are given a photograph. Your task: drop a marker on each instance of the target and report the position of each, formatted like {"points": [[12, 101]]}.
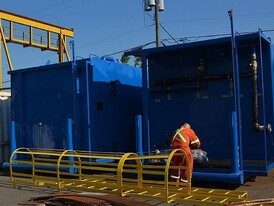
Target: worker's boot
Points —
{"points": [[175, 179], [183, 180]]}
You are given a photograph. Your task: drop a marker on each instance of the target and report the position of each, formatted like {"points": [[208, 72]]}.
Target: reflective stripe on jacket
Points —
{"points": [[184, 137]]}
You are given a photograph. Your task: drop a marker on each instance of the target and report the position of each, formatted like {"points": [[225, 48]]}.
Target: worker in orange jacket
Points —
{"points": [[186, 139]]}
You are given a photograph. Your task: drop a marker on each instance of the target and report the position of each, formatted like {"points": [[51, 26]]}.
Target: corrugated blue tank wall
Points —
{"points": [[193, 83], [101, 105]]}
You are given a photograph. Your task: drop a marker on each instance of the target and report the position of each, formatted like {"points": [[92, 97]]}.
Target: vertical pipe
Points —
{"points": [[145, 79], [69, 135], [77, 85], [88, 105], [236, 82], [75, 91], [138, 134], [235, 145], [73, 51], [70, 144], [254, 68], [13, 144]]}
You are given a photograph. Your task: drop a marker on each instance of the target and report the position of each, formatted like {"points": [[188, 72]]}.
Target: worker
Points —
{"points": [[184, 138]]}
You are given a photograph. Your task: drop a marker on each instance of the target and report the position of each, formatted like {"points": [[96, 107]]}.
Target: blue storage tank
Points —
{"points": [[89, 104], [194, 83]]}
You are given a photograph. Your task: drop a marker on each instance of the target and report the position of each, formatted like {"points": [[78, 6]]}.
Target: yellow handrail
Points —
{"points": [[121, 174], [13, 155]]}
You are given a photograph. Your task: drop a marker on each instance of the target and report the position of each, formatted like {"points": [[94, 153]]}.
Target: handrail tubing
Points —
{"points": [[79, 161]]}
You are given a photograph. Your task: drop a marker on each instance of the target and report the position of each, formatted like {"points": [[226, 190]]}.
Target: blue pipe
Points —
{"points": [[69, 136], [70, 142], [235, 161], [236, 82], [138, 133], [76, 89], [88, 105], [236, 178], [236, 175], [145, 78], [13, 145]]}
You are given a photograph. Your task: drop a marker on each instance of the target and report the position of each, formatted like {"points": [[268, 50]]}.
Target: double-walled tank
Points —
{"points": [[88, 104], [196, 83]]}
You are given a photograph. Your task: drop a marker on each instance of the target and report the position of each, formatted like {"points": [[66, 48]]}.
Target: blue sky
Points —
{"points": [[104, 27]]}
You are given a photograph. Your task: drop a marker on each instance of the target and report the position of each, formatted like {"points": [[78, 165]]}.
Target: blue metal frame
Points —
{"points": [[88, 104], [236, 82], [263, 90], [145, 79]]}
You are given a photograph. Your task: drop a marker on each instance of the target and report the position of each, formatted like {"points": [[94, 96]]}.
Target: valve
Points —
{"points": [[267, 127]]}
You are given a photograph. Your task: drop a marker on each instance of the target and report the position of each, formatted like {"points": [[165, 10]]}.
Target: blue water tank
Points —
{"points": [[194, 83], [101, 98]]}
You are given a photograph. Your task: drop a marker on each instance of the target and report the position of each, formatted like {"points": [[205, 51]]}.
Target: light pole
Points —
{"points": [[158, 6]]}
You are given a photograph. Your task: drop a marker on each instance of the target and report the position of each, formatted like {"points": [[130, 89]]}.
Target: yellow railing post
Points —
{"points": [[120, 172], [140, 173], [167, 168], [58, 170], [167, 174], [11, 170], [11, 163], [79, 165]]}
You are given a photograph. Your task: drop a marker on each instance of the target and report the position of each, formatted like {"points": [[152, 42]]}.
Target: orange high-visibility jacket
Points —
{"points": [[185, 138]]}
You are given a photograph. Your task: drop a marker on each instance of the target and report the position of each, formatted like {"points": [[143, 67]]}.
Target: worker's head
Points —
{"points": [[186, 125]]}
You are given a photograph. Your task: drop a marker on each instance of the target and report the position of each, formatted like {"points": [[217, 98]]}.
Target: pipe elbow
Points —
{"points": [[259, 127], [256, 126]]}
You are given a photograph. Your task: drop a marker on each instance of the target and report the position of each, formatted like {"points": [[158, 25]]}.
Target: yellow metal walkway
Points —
{"points": [[121, 174]]}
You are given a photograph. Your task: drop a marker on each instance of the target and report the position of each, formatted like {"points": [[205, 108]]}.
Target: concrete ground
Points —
{"points": [[259, 188]]}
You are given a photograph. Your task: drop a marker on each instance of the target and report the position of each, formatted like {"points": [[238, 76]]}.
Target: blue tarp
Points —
{"points": [[112, 71]]}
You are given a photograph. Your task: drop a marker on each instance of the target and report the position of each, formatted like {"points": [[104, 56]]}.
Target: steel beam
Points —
{"points": [[29, 41], [35, 23], [6, 48]]}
